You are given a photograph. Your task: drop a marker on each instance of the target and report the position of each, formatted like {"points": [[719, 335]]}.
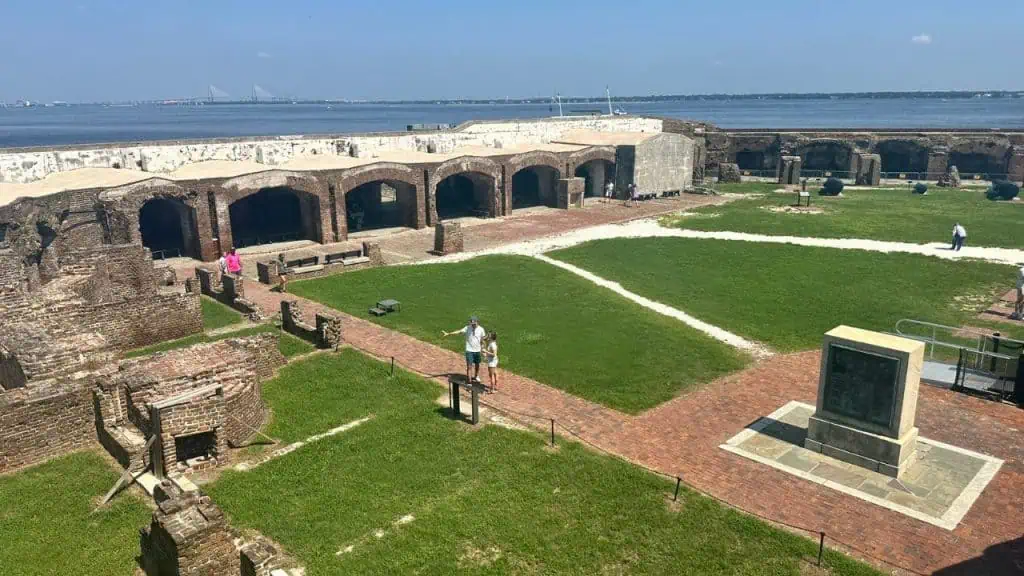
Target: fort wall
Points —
{"points": [[22, 165]]}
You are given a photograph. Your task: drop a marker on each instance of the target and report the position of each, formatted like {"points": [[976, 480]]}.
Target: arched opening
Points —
{"points": [[978, 163], [381, 204], [168, 228], [464, 194], [750, 160], [597, 174], [3, 232], [903, 157], [274, 215], [534, 186], [826, 157]]}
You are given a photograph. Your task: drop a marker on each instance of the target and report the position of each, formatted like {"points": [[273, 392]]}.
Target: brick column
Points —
{"points": [[1015, 166], [938, 163]]}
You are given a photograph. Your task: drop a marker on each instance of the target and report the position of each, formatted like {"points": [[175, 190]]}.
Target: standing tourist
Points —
{"points": [[233, 262], [1018, 305], [492, 359], [222, 267], [475, 335], [282, 273], [609, 191]]}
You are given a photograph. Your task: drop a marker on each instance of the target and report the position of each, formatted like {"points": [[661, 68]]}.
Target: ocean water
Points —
{"points": [[88, 124]]}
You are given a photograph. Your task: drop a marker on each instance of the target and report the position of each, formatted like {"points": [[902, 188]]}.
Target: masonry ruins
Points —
{"points": [[81, 226]]}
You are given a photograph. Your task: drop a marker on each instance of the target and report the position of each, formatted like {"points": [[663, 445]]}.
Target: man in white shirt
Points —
{"points": [[959, 235], [475, 335]]}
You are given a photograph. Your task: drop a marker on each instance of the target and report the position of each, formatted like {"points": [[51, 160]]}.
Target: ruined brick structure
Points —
{"points": [[324, 333], [188, 535], [447, 238], [58, 337], [197, 401], [914, 154], [571, 192]]}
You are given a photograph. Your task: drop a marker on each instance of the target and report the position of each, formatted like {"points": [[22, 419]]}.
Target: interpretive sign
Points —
{"points": [[861, 385]]}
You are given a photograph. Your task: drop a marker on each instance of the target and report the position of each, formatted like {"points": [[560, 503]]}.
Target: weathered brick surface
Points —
{"points": [[43, 422], [188, 535], [447, 238], [218, 386]]}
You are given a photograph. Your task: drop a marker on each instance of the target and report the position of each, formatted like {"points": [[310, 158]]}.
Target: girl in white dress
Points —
{"points": [[492, 360]]}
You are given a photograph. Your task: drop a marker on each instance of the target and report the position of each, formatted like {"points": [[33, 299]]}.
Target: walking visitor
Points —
{"points": [[475, 335], [233, 262], [609, 191], [959, 235]]}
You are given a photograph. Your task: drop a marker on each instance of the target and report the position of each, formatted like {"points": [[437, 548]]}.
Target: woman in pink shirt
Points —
{"points": [[234, 262]]}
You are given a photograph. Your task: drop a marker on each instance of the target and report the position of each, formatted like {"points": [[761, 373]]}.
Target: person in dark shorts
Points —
{"points": [[475, 335]]}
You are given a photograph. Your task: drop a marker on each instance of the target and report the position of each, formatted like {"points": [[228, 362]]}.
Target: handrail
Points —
{"points": [[952, 328], [934, 340]]}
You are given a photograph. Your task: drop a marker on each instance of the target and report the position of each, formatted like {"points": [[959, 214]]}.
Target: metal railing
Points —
{"points": [[957, 338], [988, 373], [985, 362], [978, 177]]}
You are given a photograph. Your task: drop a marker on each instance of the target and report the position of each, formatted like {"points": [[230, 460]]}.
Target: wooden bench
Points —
{"points": [[336, 257], [303, 262]]}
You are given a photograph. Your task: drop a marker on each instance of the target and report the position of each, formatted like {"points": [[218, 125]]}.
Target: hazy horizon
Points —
{"points": [[73, 51]]}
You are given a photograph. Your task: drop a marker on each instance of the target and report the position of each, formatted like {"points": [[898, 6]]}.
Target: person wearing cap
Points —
{"points": [[475, 335]]}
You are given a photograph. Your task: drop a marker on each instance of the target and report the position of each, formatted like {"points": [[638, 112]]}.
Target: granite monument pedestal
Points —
{"points": [[867, 400]]}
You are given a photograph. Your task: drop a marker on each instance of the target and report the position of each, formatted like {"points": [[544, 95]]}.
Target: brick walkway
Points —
{"points": [[681, 437]]}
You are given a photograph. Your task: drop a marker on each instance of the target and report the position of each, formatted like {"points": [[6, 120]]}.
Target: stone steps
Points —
{"points": [[127, 445]]}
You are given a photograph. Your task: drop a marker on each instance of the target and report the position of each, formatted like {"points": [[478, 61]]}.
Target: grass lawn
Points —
{"points": [[552, 326], [480, 501], [47, 525], [288, 345], [895, 215], [217, 315], [788, 296]]}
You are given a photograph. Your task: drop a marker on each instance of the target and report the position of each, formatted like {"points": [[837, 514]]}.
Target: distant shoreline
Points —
{"points": [[925, 95]]}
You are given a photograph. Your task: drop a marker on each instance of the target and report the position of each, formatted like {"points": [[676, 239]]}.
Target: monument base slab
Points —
{"points": [[889, 456]]}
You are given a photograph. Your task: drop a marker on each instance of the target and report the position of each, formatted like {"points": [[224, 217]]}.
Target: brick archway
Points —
{"points": [[409, 184], [469, 165], [520, 162], [122, 208], [600, 164], [311, 192]]}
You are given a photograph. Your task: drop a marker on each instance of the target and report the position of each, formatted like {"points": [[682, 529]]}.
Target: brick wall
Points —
{"points": [[187, 535], [43, 422]]}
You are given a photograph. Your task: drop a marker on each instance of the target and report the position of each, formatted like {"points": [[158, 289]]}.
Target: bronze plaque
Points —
{"points": [[861, 385]]}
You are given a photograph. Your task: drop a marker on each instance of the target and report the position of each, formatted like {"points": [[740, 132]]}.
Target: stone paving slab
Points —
{"points": [[938, 487]]}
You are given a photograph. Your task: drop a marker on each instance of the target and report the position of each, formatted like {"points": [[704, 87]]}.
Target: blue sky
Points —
{"points": [[93, 50]]}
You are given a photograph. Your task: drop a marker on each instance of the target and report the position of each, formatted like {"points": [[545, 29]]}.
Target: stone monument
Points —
{"points": [[867, 400]]}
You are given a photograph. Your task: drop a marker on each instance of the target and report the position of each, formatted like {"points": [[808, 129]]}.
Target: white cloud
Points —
{"points": [[922, 39], [263, 55]]}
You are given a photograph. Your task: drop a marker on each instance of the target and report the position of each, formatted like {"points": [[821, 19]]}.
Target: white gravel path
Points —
{"points": [[757, 349], [649, 228]]}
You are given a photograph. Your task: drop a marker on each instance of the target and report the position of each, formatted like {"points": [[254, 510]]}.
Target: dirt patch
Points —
{"points": [[674, 506], [699, 215], [809, 567], [794, 209], [972, 302], [473, 557]]}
